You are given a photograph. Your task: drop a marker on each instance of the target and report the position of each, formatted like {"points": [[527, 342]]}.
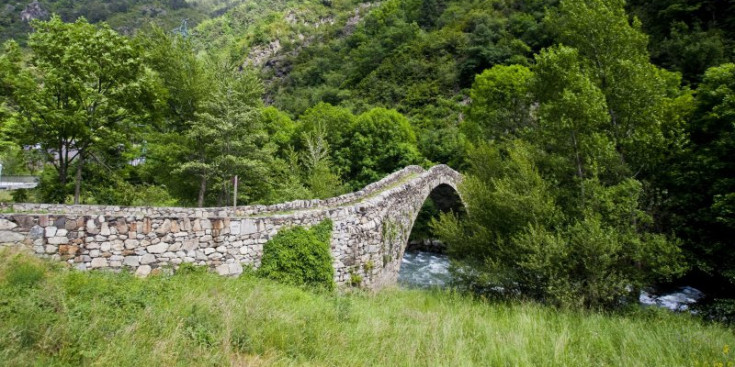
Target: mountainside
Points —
{"points": [[125, 16]]}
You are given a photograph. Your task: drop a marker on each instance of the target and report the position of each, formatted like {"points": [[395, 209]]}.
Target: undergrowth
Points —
{"points": [[54, 316]]}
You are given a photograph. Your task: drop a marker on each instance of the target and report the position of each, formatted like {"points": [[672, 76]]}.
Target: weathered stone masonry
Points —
{"points": [[371, 228]]}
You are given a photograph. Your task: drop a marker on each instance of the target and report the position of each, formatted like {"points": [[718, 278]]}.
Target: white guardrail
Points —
{"points": [[18, 182]]}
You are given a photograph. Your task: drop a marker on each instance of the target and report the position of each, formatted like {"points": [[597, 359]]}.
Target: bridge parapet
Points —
{"points": [[216, 212], [371, 228]]}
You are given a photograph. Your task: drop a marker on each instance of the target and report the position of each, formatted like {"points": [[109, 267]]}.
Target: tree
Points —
{"points": [[382, 142], [227, 135], [702, 184], [185, 83], [639, 95], [520, 239], [501, 103], [320, 176], [557, 216], [334, 124], [83, 89]]}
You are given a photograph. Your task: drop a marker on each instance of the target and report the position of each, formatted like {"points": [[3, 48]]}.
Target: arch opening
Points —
{"points": [[425, 263]]}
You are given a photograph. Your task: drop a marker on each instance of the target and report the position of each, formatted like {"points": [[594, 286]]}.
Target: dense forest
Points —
{"points": [[596, 137]]}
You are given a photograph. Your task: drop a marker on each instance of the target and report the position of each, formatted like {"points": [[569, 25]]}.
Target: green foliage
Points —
{"points": [[521, 239], [202, 319], [21, 274], [382, 142], [82, 91], [500, 103], [688, 36], [638, 95], [702, 205], [298, 256]]}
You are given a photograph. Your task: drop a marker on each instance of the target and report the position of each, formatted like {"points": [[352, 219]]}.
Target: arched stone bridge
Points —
{"points": [[371, 229]]}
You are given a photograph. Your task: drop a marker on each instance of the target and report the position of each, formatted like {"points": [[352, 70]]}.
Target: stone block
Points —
{"points": [[36, 232], [6, 225], [190, 245], [143, 271], [147, 259], [58, 240], [131, 244], [157, 249], [117, 258], [132, 261], [147, 226], [71, 225], [165, 227], [99, 262], [122, 227], [117, 245], [206, 224], [223, 270], [62, 232], [235, 227], [50, 231], [248, 227]]}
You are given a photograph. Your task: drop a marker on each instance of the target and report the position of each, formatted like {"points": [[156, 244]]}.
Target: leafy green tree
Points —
{"points": [[334, 124], [282, 130], [184, 84], [702, 181], [84, 88], [688, 36], [320, 176], [228, 136], [382, 142], [639, 95], [501, 103], [557, 216], [519, 239]]}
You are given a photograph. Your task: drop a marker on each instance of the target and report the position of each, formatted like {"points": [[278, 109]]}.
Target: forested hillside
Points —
{"points": [[596, 136], [125, 16]]}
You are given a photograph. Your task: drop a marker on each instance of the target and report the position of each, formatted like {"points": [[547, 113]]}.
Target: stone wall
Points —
{"points": [[370, 231]]}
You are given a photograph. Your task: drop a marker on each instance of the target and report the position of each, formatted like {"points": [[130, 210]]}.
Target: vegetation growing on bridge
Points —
{"points": [[300, 257]]}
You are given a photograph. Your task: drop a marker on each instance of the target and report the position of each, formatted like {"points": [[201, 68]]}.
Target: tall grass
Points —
{"points": [[53, 316]]}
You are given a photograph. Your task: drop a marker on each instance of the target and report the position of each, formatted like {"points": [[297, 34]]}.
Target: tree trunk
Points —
{"points": [[202, 190], [580, 170], [78, 179]]}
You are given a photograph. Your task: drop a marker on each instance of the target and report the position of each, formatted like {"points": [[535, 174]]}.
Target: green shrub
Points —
{"points": [[298, 256], [20, 273]]}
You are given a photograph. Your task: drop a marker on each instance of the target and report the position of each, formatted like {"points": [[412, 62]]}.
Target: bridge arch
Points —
{"points": [[379, 243]]}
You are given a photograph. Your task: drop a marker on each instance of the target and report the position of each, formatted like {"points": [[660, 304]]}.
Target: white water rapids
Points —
{"points": [[427, 270]]}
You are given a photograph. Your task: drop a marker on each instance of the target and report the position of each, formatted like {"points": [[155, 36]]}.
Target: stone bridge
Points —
{"points": [[371, 229]]}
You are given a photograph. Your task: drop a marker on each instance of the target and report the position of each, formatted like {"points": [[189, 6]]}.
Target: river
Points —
{"points": [[421, 269]]}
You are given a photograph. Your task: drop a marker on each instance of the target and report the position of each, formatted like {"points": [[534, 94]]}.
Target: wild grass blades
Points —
{"points": [[50, 315]]}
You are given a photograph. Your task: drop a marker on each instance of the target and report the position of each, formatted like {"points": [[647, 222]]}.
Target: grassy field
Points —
{"points": [[50, 315]]}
